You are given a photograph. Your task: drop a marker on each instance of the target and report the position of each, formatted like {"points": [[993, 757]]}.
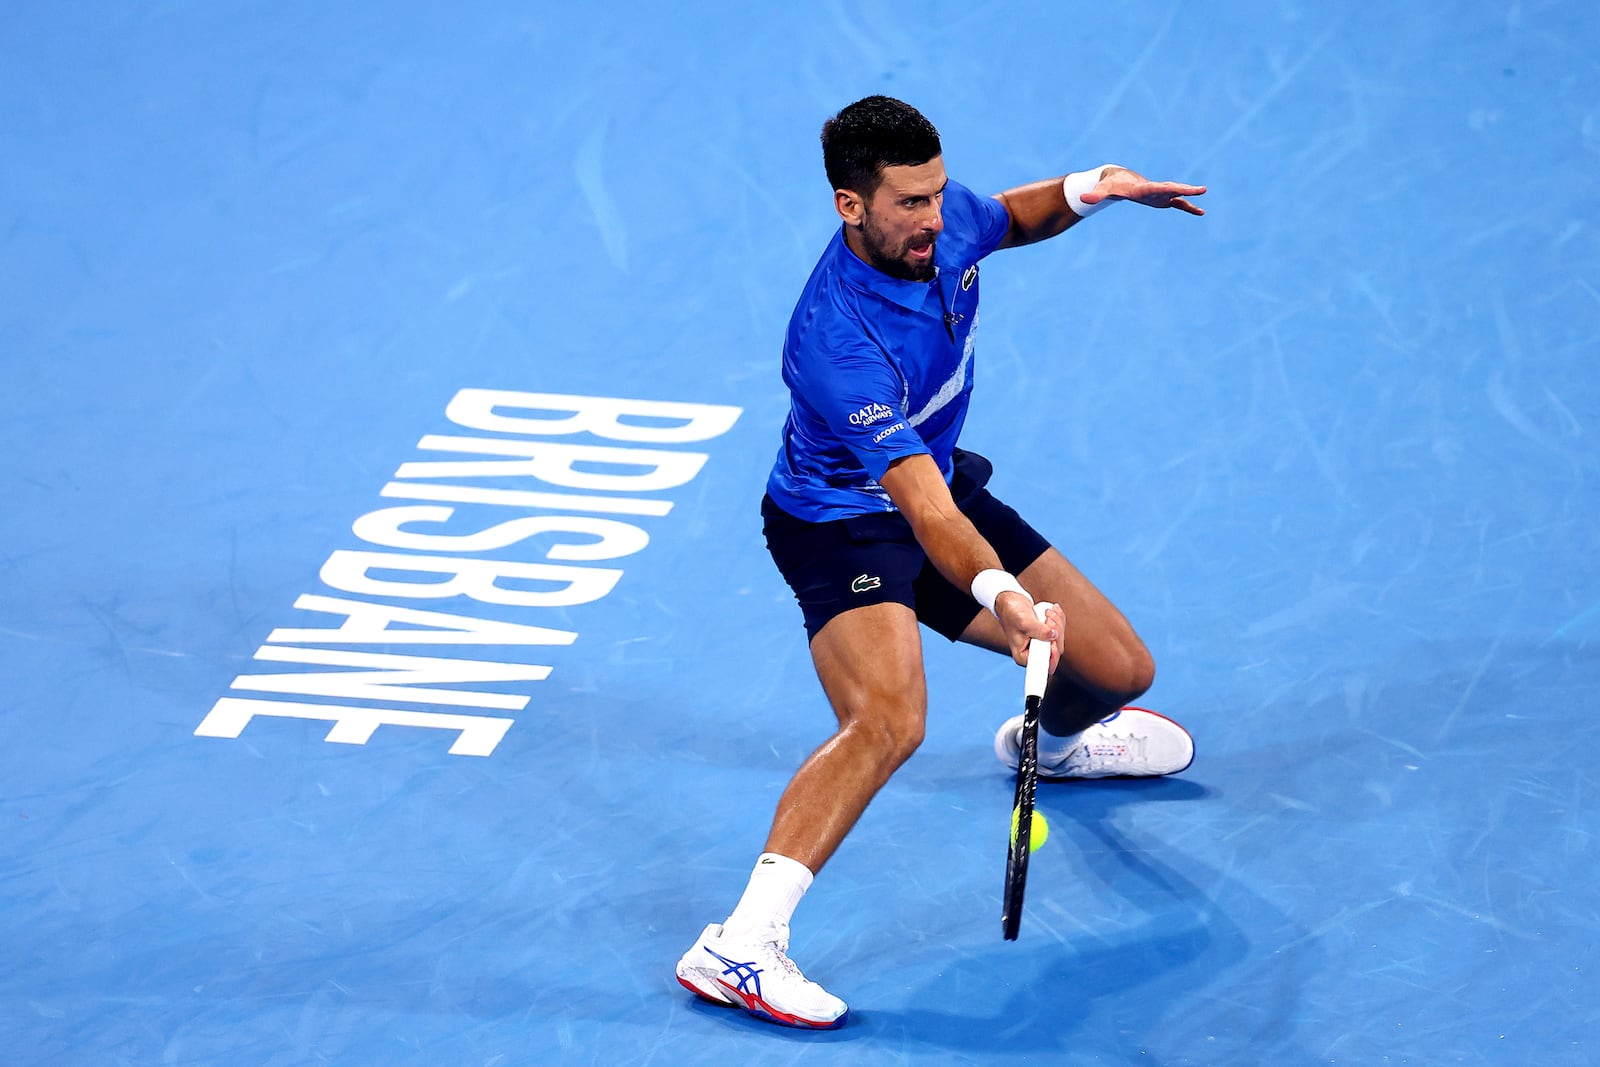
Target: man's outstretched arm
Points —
{"points": [[1040, 210]]}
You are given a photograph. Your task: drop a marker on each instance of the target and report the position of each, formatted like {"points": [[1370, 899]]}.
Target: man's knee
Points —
{"points": [[904, 734], [893, 725], [1141, 671], [1120, 672], [1123, 666]]}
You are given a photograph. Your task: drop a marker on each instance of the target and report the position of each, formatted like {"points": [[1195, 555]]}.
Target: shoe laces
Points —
{"points": [[1110, 747], [775, 937]]}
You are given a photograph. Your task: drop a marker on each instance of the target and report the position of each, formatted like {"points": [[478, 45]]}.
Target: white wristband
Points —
{"points": [[989, 584], [1077, 183]]}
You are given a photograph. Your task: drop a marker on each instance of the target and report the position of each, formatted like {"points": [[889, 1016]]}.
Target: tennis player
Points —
{"points": [[878, 522]]}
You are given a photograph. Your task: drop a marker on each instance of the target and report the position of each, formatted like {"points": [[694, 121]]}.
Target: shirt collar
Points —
{"points": [[913, 296]]}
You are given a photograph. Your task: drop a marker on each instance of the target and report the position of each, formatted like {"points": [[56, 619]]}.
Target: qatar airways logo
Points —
{"points": [[870, 414]]}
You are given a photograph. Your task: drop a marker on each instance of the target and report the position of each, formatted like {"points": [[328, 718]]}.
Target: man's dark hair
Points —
{"points": [[873, 133]]}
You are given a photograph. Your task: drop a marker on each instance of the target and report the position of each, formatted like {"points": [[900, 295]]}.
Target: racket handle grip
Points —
{"points": [[1038, 669]]}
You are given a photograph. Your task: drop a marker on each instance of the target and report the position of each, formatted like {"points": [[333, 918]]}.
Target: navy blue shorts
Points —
{"points": [[874, 559]]}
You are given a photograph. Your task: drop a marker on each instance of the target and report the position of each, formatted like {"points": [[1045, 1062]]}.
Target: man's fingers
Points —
{"points": [[1051, 629], [1157, 192], [1150, 190], [1150, 194], [1030, 628], [1056, 621]]}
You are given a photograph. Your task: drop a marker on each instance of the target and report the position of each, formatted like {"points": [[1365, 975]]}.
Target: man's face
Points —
{"points": [[903, 219]]}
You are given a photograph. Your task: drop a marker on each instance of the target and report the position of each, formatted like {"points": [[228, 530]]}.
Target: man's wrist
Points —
{"points": [[1079, 182], [989, 584]]}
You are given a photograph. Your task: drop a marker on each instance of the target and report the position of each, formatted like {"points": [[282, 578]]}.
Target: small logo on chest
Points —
{"points": [[969, 277]]}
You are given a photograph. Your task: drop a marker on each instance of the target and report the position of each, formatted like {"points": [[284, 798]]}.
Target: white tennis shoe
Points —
{"points": [[753, 971], [1130, 743]]}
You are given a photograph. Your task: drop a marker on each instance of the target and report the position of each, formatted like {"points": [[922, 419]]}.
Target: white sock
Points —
{"points": [[776, 886], [1053, 749]]}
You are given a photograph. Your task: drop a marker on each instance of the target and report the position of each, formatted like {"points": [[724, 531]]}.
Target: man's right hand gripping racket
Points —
{"points": [[1038, 673]]}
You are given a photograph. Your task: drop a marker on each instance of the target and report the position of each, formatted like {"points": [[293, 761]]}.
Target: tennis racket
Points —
{"points": [[1038, 673]]}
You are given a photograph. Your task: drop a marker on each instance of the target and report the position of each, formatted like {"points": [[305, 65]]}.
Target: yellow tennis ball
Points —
{"points": [[1038, 829]]}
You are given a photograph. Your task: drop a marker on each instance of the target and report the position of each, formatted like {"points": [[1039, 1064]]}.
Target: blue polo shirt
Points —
{"points": [[879, 368]]}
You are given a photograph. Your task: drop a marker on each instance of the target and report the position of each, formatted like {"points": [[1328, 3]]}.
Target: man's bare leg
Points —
{"points": [[869, 661], [1104, 664]]}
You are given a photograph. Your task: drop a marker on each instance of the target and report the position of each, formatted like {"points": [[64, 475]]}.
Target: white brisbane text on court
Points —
{"points": [[428, 566]]}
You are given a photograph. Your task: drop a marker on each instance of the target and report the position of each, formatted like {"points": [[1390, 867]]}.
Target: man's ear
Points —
{"points": [[850, 207]]}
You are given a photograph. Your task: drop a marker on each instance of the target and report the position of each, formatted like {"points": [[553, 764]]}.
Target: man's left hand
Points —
{"points": [[1119, 183]]}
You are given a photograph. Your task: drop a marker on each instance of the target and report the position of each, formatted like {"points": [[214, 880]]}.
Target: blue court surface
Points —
{"points": [[310, 758]]}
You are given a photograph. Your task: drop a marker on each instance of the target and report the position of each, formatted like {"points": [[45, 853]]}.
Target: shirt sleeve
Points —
{"points": [[856, 392], [983, 219]]}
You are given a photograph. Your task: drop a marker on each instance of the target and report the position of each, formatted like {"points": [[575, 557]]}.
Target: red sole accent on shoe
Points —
{"points": [[690, 986], [762, 1010]]}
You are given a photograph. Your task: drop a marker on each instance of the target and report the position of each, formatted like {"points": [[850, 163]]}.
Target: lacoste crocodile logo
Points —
{"points": [[865, 583]]}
